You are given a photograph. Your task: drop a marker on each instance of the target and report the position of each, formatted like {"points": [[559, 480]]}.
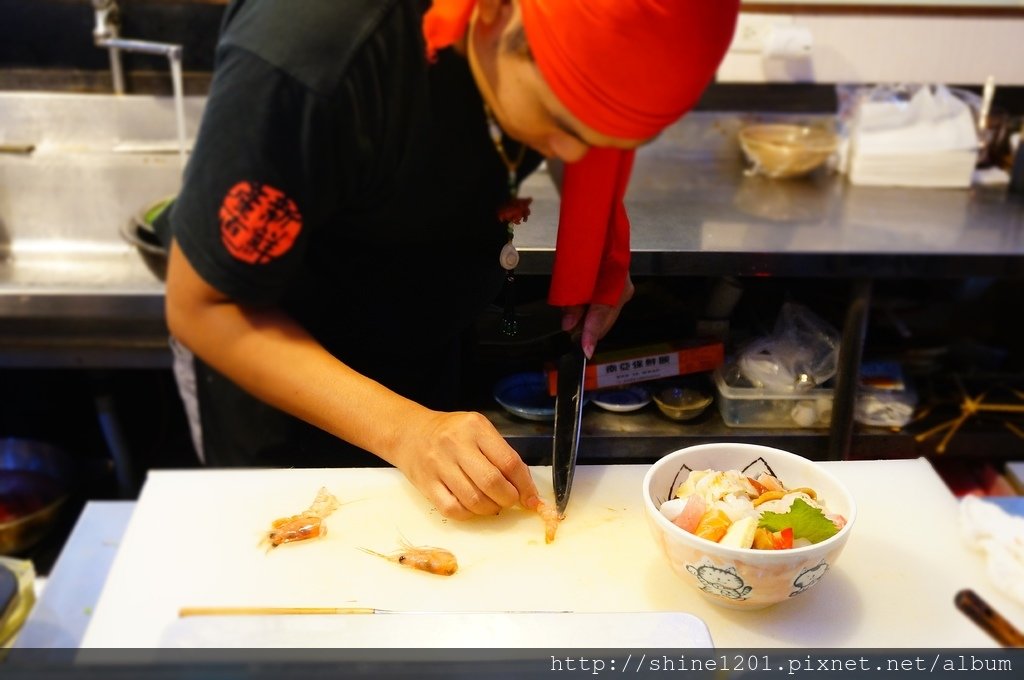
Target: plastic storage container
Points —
{"points": [[743, 405], [885, 398]]}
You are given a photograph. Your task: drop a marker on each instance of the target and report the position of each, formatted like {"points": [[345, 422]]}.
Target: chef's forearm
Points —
{"points": [[270, 356]]}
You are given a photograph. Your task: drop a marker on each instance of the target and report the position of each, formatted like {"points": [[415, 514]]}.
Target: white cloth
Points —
{"points": [[1000, 536], [185, 376]]}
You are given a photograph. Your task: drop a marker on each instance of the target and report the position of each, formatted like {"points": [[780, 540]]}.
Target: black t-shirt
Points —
{"points": [[340, 176]]}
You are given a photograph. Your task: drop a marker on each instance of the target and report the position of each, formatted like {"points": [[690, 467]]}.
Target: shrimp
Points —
{"points": [[425, 558], [306, 525], [551, 520], [295, 528]]}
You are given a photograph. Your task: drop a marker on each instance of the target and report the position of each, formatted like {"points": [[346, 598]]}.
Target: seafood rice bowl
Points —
{"points": [[747, 526]]}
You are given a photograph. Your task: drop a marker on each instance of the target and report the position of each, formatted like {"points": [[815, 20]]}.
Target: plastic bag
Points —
{"points": [[901, 118], [851, 98], [800, 354]]}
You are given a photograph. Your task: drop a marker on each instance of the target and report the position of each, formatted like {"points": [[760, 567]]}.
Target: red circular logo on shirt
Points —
{"points": [[258, 223]]}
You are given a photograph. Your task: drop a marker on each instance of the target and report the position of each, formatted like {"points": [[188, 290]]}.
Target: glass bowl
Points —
{"points": [[783, 151]]}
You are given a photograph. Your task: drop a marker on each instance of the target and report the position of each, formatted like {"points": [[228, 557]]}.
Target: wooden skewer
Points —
{"points": [[275, 611], [1001, 408], [969, 407], [271, 611], [935, 430], [941, 448], [16, 148]]}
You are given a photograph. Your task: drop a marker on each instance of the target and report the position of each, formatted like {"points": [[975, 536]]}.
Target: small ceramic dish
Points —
{"points": [[624, 399], [681, 403], [526, 395]]}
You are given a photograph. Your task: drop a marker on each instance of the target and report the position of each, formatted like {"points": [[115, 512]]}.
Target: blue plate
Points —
{"points": [[526, 395], [623, 400]]}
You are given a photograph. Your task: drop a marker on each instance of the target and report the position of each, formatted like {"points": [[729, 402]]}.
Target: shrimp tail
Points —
{"points": [[324, 504], [551, 519]]}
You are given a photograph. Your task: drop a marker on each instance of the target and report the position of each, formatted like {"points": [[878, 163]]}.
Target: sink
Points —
{"points": [[74, 170], [82, 166]]}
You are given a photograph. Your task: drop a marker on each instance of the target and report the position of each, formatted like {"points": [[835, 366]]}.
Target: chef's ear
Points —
{"points": [[491, 11]]}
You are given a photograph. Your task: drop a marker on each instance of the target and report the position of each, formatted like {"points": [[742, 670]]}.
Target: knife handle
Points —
{"points": [[991, 621]]}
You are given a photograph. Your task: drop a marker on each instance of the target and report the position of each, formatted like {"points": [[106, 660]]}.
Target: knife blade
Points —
{"points": [[572, 368]]}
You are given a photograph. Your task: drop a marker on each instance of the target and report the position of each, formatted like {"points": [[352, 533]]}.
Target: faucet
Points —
{"points": [[107, 33]]}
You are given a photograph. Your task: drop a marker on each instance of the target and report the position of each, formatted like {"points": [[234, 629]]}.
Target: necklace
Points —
{"points": [[512, 212]]}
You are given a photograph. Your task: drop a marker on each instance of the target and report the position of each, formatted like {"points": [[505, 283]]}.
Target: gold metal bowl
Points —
{"points": [[681, 403], [35, 480]]}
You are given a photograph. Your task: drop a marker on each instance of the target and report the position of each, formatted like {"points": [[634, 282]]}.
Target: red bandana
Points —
{"points": [[626, 69]]}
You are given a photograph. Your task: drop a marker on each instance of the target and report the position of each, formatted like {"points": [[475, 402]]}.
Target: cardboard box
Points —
{"points": [[649, 362]]}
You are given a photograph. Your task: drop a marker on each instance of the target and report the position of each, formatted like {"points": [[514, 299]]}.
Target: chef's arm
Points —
{"points": [[457, 460]]}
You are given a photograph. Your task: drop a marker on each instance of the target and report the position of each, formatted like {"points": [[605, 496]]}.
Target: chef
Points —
{"points": [[350, 206]]}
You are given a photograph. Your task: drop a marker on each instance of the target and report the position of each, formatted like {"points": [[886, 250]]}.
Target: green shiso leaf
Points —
{"points": [[805, 520]]}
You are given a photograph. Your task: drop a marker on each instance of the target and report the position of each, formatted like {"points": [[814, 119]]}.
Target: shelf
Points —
{"points": [[644, 436]]}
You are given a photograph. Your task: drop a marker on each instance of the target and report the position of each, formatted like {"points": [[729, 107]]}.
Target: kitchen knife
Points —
{"points": [[568, 410]]}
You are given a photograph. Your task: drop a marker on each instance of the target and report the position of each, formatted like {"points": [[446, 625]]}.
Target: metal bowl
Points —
{"points": [[141, 233], [35, 481], [681, 403]]}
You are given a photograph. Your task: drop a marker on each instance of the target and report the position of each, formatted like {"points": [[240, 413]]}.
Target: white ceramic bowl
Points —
{"points": [[744, 578]]}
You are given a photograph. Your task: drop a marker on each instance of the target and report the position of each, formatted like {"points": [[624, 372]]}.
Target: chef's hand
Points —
{"points": [[463, 466], [597, 319]]}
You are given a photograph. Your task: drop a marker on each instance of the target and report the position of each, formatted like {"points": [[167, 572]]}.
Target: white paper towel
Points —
{"points": [[933, 120], [928, 140]]}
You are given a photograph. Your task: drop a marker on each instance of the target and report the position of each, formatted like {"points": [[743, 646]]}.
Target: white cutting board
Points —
{"points": [[194, 541], [487, 630]]}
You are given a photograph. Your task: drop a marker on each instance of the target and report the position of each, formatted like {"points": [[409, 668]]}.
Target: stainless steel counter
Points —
{"points": [[73, 292], [92, 301], [694, 212]]}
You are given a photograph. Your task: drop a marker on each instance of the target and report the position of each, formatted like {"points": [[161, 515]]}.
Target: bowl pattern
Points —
{"points": [[741, 584], [744, 578]]}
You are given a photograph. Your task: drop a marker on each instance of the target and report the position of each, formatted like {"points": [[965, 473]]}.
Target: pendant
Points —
{"points": [[509, 257]]}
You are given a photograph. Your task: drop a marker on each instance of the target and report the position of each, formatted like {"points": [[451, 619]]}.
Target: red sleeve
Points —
{"points": [[592, 248]]}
